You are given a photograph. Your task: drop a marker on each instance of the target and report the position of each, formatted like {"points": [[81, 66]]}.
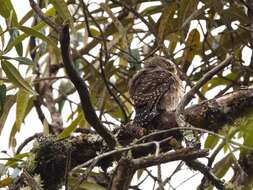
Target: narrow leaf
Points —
{"points": [[12, 162], [164, 22], [6, 9], [67, 131], [221, 167], [34, 32], [21, 37], [211, 141], [10, 100], [2, 98], [21, 60], [2, 37], [15, 77], [14, 34], [192, 47], [6, 182], [63, 10], [22, 102]]}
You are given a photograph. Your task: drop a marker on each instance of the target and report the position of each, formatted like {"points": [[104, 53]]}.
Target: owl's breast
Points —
{"points": [[173, 96]]}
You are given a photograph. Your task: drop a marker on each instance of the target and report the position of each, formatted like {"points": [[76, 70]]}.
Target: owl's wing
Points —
{"points": [[146, 89]]}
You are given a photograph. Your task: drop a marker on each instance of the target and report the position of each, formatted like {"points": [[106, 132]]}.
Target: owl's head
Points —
{"points": [[158, 61]]}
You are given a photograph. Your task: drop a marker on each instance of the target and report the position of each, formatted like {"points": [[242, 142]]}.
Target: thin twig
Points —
{"points": [[159, 177], [130, 9], [117, 151], [26, 141], [31, 181], [193, 129], [188, 96], [86, 11]]}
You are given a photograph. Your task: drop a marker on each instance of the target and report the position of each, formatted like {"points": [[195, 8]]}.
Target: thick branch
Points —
{"points": [[82, 90], [74, 76], [181, 154], [209, 115], [180, 116], [196, 165], [123, 175]]}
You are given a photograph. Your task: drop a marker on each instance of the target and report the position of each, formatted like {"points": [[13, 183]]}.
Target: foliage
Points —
{"points": [[109, 41]]}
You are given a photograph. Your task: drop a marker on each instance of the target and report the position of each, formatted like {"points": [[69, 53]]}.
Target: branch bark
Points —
{"points": [[82, 90], [211, 115], [181, 154], [123, 175], [76, 79]]}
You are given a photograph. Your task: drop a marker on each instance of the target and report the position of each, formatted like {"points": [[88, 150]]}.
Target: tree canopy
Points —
{"points": [[70, 62]]}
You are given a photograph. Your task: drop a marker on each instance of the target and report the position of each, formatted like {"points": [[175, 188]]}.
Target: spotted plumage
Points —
{"points": [[154, 88]]}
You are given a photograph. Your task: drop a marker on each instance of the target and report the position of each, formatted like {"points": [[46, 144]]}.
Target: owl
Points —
{"points": [[155, 88]]}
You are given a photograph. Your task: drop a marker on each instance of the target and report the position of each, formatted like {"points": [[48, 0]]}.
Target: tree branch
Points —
{"points": [[196, 165], [190, 137], [181, 154], [188, 96], [82, 90], [47, 20], [123, 175]]}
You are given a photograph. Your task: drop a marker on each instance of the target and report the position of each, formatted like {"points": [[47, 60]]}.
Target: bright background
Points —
{"points": [[33, 124]]}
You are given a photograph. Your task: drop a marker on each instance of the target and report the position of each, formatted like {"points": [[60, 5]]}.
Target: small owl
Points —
{"points": [[155, 88]]}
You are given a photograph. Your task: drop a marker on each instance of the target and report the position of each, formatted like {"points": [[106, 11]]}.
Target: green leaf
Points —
{"points": [[226, 80], [94, 32], [90, 186], [235, 14], [115, 20], [2, 36], [22, 103], [246, 127], [133, 58], [12, 162], [12, 139], [15, 77], [29, 32], [2, 98], [7, 10], [192, 45], [151, 10], [18, 46], [67, 131], [174, 39], [222, 166], [186, 8], [139, 173], [63, 10], [50, 12], [10, 100], [21, 107], [211, 141], [164, 23], [36, 33], [6, 182], [26, 17], [21, 60]]}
